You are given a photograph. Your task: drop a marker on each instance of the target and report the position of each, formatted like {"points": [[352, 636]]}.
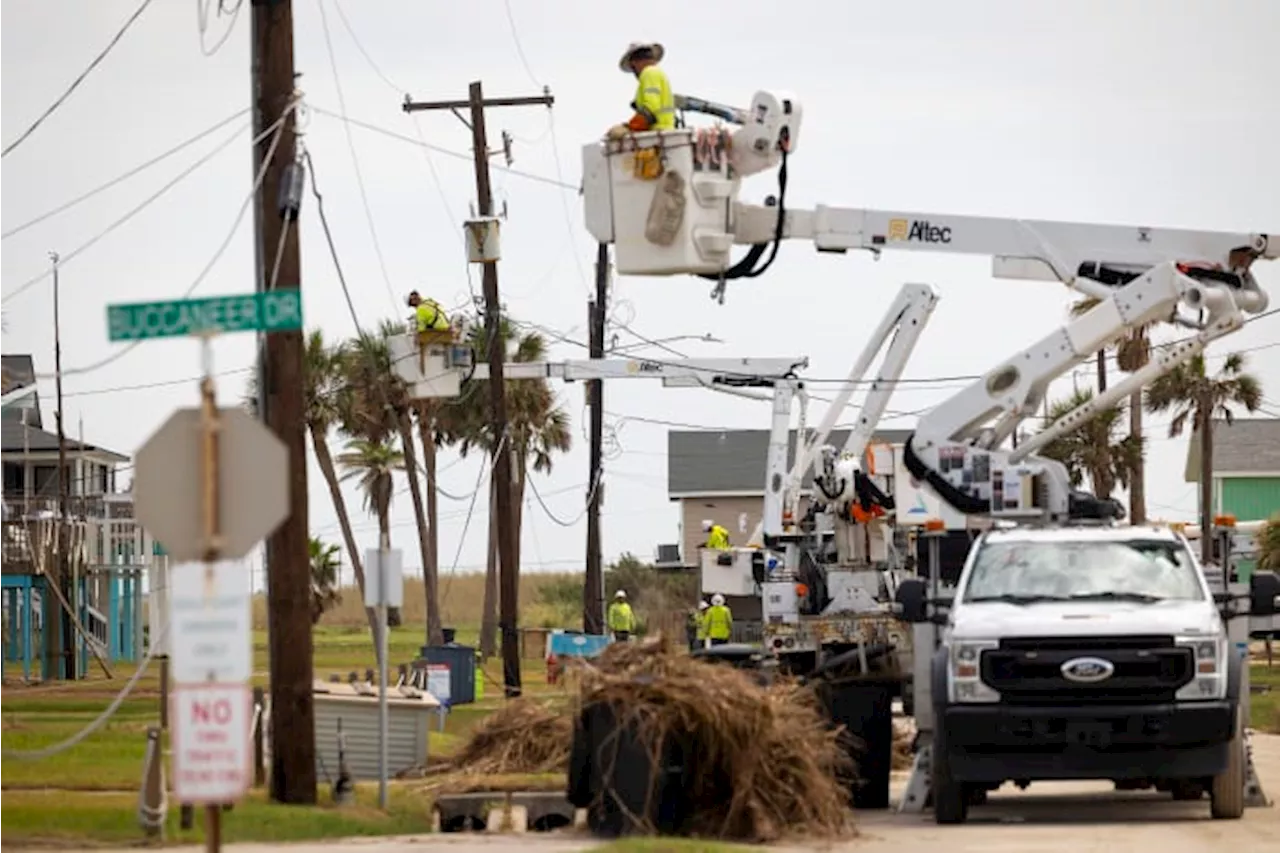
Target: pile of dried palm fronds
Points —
{"points": [[765, 763], [523, 736]]}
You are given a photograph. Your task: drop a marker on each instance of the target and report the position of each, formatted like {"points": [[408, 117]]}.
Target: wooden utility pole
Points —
{"points": [[64, 637], [509, 571], [593, 588], [293, 747]]}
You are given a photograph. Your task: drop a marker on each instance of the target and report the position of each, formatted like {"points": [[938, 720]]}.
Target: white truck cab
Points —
{"points": [[1085, 653]]}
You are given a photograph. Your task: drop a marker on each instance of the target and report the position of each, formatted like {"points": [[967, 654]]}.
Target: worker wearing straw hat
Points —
{"points": [[654, 104]]}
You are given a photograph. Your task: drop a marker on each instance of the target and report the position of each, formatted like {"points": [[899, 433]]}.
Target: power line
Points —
{"points": [[75, 83], [129, 174], [328, 236], [355, 160], [202, 20], [278, 129], [65, 258]]}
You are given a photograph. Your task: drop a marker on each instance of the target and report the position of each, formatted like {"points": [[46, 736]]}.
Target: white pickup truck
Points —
{"points": [[1084, 653]]}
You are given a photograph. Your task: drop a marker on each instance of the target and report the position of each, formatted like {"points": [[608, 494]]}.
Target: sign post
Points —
{"points": [[239, 471], [387, 590]]}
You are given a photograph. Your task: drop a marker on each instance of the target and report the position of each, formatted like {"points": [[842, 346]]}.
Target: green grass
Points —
{"points": [[84, 818], [1265, 707], [87, 793]]}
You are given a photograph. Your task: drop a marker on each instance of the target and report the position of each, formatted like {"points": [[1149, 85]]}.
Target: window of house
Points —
{"points": [[14, 480]]}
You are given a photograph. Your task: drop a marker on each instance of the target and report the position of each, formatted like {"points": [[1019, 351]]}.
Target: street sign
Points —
{"points": [[384, 584], [210, 623], [253, 484], [273, 311], [212, 752]]}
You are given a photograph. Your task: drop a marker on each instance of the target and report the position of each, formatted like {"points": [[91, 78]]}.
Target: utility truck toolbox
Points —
{"points": [[1085, 653]]}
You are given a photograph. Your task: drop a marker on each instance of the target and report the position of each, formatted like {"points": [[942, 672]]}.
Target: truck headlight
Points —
{"points": [[964, 676], [1208, 668]]}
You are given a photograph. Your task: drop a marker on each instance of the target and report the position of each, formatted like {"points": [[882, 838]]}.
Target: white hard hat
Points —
{"points": [[702, 605], [717, 599], [652, 46], [706, 525], [622, 593]]}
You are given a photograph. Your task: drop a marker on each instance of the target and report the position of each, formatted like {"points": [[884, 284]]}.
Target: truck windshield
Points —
{"points": [[1027, 572]]}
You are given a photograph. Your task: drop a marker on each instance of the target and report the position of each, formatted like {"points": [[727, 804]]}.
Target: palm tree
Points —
{"points": [[537, 429], [1092, 448], [374, 463], [1189, 392], [380, 407], [324, 578], [1269, 545], [1132, 354], [325, 394]]}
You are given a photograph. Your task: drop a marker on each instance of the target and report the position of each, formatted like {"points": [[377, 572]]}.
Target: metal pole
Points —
{"points": [[384, 545], [593, 588]]}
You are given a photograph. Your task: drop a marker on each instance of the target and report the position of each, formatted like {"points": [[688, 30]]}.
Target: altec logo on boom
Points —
{"points": [[919, 231]]}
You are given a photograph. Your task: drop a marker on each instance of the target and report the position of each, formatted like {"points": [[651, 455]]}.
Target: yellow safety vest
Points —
{"points": [[701, 624], [719, 622], [654, 100], [431, 316], [718, 538], [621, 618]]}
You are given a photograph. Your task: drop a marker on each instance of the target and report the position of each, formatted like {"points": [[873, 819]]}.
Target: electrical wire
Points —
{"points": [[129, 174], [76, 82], [586, 507], [65, 258], [328, 236], [355, 160], [466, 524], [278, 128], [202, 23]]}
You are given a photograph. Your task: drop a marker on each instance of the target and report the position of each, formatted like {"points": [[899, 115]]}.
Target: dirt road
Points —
{"points": [[1075, 817]]}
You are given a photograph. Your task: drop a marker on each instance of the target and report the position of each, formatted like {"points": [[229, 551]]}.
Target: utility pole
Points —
{"points": [[65, 659], [593, 588], [508, 570], [293, 748]]}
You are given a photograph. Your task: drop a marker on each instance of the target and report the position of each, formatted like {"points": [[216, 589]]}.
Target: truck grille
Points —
{"points": [[1028, 671]]}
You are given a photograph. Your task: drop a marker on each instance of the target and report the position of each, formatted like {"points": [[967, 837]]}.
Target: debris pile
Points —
{"points": [[523, 736], [766, 763]]}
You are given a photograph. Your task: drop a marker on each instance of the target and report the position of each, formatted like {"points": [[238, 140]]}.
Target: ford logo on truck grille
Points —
{"points": [[1087, 670]]}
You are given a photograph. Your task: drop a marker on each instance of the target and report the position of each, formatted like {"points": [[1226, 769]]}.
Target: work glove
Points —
{"points": [[618, 131]]}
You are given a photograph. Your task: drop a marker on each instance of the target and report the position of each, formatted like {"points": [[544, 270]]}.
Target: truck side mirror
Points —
{"points": [[1264, 594], [912, 598]]}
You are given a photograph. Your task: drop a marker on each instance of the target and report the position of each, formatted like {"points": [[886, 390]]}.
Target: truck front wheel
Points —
{"points": [[950, 798], [1226, 794]]}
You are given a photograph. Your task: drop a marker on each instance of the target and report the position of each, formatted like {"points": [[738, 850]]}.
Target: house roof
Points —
{"points": [[716, 461], [1246, 445], [40, 441], [17, 384]]}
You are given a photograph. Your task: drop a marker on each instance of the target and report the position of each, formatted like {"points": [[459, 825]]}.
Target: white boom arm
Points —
{"points": [[954, 447], [901, 327], [686, 218]]}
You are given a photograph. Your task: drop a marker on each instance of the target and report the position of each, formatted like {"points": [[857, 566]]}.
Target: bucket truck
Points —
{"points": [[668, 201]]}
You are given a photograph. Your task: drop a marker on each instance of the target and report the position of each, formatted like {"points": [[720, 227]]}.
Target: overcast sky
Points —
{"points": [[1112, 111]]}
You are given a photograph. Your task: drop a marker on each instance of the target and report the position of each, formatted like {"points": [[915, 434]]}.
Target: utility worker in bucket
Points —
{"points": [[622, 621], [428, 313], [719, 621], [717, 536], [654, 104]]}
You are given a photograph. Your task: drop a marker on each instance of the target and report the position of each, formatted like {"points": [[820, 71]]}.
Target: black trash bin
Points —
{"points": [[613, 776], [865, 709]]}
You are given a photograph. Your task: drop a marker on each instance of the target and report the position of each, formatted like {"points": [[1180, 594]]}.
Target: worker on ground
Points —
{"points": [[622, 621], [696, 627], [717, 536], [428, 313], [702, 624], [654, 105], [719, 621]]}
